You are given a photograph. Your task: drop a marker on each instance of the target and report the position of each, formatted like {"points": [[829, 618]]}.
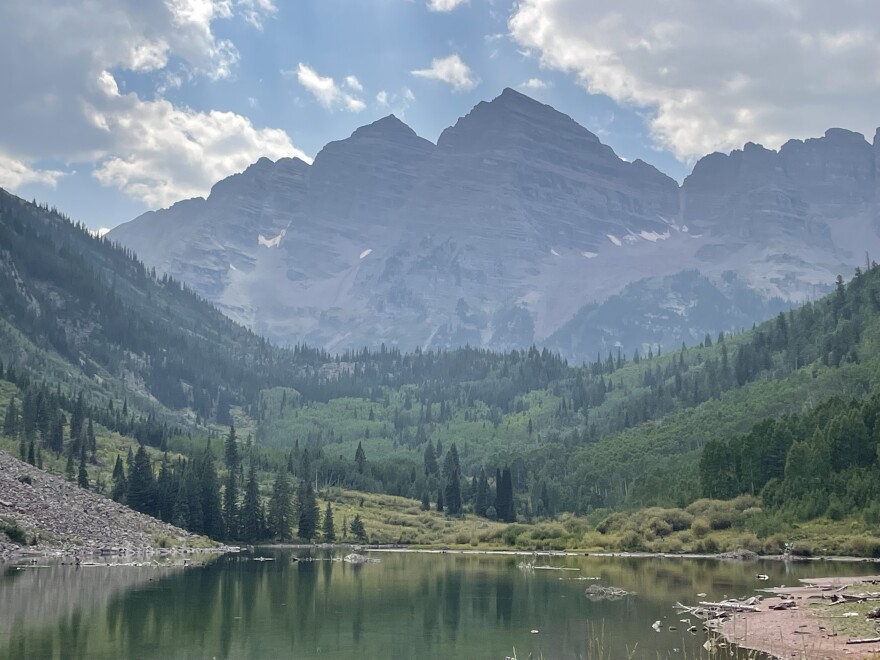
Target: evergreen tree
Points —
{"points": [[92, 441], [440, 500], [357, 528], [209, 492], [231, 454], [481, 500], [10, 421], [426, 501], [328, 531], [231, 511], [69, 472], [431, 467], [281, 508], [141, 495], [82, 476], [308, 512], [166, 491], [251, 525], [360, 458], [31, 456], [120, 486]]}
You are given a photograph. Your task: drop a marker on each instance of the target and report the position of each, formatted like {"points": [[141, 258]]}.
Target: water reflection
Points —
{"points": [[406, 606]]}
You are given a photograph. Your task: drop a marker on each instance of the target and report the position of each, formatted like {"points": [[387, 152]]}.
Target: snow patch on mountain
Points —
{"points": [[614, 239], [271, 242]]}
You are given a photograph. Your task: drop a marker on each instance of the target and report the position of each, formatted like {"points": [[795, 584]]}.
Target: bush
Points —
{"points": [[15, 533], [700, 527], [632, 541]]}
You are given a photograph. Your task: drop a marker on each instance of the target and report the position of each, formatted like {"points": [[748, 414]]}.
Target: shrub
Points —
{"points": [[15, 533], [632, 541], [700, 527]]}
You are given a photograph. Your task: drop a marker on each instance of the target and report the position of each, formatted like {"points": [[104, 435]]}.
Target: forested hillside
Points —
{"points": [[94, 347]]}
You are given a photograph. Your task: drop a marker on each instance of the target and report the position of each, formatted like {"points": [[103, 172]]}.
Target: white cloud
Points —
{"points": [[714, 76], [166, 153], [445, 5], [398, 102], [14, 174], [325, 90], [451, 70], [535, 83], [64, 104], [353, 83], [256, 12]]}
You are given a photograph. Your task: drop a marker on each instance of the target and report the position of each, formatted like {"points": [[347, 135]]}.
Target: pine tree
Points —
{"points": [[119, 488], [357, 528], [69, 471], [281, 508], [327, 529], [91, 441], [431, 467], [308, 512], [10, 422], [481, 500], [31, 457], [426, 501], [209, 492], [231, 511], [82, 477], [440, 500], [141, 495], [166, 491], [251, 527], [231, 454], [360, 457]]}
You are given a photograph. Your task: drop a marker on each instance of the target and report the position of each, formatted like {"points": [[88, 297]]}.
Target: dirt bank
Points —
{"points": [[815, 628]]}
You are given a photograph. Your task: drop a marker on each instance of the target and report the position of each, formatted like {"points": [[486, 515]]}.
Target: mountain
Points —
{"points": [[508, 231], [89, 333]]}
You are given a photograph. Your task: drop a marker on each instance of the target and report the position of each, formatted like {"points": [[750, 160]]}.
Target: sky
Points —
{"points": [[114, 107]]}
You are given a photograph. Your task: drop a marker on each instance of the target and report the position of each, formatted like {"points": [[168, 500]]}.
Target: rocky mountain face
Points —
{"points": [[518, 226]]}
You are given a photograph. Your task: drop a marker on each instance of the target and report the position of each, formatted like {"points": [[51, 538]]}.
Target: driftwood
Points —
{"points": [[598, 592], [731, 606], [785, 605], [837, 599], [866, 640]]}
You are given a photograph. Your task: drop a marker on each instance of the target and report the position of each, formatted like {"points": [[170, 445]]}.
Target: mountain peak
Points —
{"points": [[387, 127], [513, 113]]}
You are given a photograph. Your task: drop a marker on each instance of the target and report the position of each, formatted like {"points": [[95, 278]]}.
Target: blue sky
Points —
{"points": [[123, 107]]}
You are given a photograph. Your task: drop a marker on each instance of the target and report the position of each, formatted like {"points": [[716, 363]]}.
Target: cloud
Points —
{"points": [[535, 83], [255, 12], [714, 76], [325, 90], [445, 5], [168, 153], [62, 101], [398, 102], [353, 83], [14, 174], [451, 70]]}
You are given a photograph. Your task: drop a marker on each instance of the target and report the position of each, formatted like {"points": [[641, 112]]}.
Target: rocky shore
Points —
{"points": [[41, 513]]}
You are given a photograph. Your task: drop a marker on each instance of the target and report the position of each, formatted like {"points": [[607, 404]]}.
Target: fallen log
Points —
{"points": [[731, 605], [866, 640]]}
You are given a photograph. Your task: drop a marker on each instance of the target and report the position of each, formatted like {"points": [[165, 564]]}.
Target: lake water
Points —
{"points": [[408, 605]]}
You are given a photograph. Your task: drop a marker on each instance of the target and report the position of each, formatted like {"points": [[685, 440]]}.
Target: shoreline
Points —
{"points": [[789, 622], [446, 550]]}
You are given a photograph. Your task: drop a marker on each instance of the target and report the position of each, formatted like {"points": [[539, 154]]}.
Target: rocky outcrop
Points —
{"points": [[54, 515], [501, 232]]}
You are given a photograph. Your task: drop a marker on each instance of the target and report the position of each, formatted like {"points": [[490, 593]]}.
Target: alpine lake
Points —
{"points": [[308, 603]]}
